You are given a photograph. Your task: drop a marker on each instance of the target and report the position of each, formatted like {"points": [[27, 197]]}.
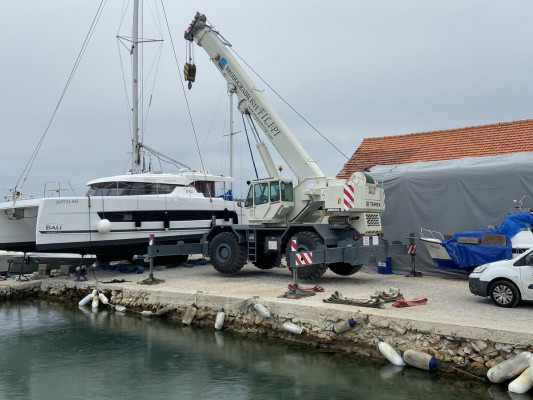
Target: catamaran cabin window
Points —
{"points": [[129, 188], [207, 188]]}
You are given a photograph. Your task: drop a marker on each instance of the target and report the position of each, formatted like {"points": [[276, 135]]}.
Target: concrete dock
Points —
{"points": [[458, 328]]}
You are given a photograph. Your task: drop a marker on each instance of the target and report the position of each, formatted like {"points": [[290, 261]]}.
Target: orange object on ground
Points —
{"points": [[316, 288], [417, 301]]}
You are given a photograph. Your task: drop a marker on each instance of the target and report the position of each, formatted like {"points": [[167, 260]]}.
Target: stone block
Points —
{"points": [[65, 270], [44, 269]]}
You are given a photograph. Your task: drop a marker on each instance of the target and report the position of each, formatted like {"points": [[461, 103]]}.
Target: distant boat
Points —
{"points": [[469, 249]]}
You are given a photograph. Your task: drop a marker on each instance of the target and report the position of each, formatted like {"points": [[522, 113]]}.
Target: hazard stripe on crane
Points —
{"points": [[349, 197], [304, 258], [294, 247]]}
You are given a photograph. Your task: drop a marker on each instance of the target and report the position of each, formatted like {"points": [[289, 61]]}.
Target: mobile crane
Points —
{"points": [[336, 220]]}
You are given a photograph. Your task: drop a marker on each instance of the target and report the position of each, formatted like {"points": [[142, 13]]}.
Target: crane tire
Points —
{"points": [[268, 261], [227, 255], [307, 241], [344, 269]]}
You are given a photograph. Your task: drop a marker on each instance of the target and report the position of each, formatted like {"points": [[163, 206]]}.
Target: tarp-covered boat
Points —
{"points": [[468, 249]]}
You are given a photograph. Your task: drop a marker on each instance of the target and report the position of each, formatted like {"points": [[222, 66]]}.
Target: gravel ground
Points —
{"points": [[449, 300]]}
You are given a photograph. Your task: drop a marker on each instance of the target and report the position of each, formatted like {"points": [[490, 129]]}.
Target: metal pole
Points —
{"points": [[80, 274], [151, 280], [412, 252], [136, 157]]}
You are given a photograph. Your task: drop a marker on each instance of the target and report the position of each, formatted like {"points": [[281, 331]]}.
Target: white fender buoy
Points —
{"points": [[94, 293], [162, 311], [120, 308], [523, 383], [509, 368], [420, 360], [103, 226], [262, 310], [219, 321], [390, 354], [344, 326], [86, 299], [147, 314], [189, 315], [290, 327], [103, 298], [96, 302]]}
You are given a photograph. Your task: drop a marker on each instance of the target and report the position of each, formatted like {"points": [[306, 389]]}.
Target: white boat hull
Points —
{"points": [[18, 225], [71, 224], [436, 249]]}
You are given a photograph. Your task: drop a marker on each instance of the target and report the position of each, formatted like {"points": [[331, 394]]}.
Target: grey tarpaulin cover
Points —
{"points": [[450, 196]]}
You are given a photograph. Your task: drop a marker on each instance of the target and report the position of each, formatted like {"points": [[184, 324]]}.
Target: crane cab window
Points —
{"points": [[274, 192], [265, 192], [249, 202], [286, 191], [261, 193]]}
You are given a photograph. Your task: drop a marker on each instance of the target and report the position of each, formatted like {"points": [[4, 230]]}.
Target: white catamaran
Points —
{"points": [[118, 214]]}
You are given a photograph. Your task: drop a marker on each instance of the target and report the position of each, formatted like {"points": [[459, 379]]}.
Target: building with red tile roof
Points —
{"points": [[448, 144]]}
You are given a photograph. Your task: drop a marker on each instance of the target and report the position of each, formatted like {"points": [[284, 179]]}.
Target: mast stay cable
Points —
{"points": [[29, 164]]}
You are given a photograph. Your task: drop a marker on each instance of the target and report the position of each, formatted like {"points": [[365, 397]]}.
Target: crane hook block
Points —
{"points": [[189, 72]]}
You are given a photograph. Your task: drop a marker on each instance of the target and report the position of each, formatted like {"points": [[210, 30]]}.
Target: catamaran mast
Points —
{"points": [[136, 157]]}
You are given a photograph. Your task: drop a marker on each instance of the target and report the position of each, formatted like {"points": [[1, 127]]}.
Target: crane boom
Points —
{"points": [[251, 101], [356, 202]]}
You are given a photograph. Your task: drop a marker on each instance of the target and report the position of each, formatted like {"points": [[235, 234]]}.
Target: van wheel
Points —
{"points": [[504, 294]]}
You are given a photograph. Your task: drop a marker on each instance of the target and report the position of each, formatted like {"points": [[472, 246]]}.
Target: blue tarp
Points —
{"points": [[468, 256]]}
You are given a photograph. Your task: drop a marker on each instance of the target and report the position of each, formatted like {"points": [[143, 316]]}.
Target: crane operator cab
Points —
{"points": [[269, 200]]}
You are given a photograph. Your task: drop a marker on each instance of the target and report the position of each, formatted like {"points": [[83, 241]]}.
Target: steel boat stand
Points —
{"points": [[411, 249], [81, 274], [151, 280], [25, 260]]}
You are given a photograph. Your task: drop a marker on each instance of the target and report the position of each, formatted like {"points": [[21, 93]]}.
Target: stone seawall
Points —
{"points": [[454, 347]]}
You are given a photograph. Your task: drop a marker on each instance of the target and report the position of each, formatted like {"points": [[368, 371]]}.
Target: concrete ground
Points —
{"points": [[450, 310]]}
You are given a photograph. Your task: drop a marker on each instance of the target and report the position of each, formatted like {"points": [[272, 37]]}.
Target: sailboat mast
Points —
{"points": [[136, 157]]}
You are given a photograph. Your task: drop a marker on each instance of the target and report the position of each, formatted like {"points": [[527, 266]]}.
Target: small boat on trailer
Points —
{"points": [[468, 249]]}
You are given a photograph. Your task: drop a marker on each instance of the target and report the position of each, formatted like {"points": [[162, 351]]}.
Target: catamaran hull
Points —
{"points": [[17, 225], [74, 224]]}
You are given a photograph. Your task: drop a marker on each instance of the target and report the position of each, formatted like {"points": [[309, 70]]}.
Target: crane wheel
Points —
{"points": [[308, 241], [269, 261], [344, 269], [227, 255]]}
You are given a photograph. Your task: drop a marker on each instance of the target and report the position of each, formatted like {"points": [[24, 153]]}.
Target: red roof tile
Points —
{"points": [[474, 141]]}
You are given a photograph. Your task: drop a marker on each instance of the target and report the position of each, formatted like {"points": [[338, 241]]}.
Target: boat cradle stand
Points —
{"points": [[411, 250]]}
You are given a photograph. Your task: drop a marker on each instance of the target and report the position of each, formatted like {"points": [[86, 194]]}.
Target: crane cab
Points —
{"points": [[269, 201]]}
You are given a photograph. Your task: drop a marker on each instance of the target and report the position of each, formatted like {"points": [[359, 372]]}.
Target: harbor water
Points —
{"points": [[52, 351]]}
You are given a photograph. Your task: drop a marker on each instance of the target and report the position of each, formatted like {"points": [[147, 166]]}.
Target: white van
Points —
{"points": [[506, 282]]}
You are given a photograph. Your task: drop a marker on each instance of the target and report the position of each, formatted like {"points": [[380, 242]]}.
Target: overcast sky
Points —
{"points": [[353, 68]]}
